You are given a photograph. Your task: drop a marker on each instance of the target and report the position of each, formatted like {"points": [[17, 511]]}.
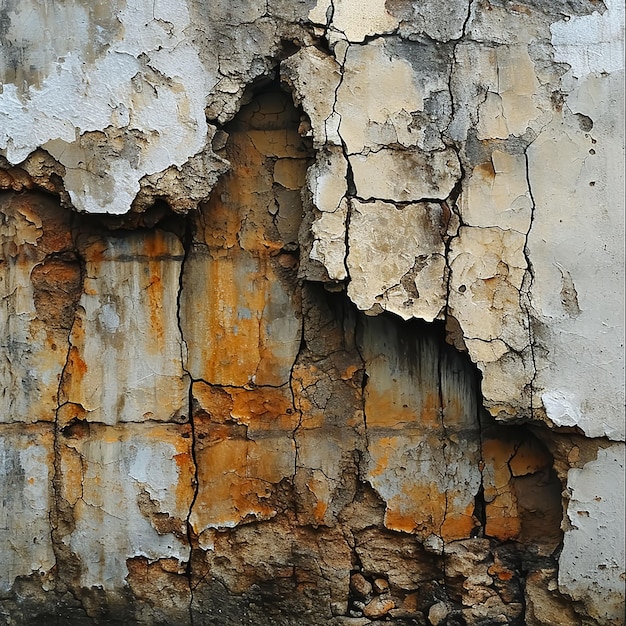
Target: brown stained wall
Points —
{"points": [[219, 442]]}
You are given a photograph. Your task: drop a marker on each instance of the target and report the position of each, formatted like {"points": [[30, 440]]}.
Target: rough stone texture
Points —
{"points": [[310, 312]]}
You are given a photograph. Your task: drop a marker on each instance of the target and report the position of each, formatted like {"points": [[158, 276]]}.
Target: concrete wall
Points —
{"points": [[312, 312]]}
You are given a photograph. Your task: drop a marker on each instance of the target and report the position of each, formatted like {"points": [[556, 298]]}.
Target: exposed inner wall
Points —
{"points": [[195, 434]]}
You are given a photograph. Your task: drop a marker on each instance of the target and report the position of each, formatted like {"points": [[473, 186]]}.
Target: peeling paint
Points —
{"points": [[309, 312]]}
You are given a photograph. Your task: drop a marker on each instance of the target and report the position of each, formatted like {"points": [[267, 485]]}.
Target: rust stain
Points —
{"points": [[418, 508], [502, 520], [485, 170], [430, 414], [530, 457], [381, 452], [394, 520], [226, 496], [94, 250], [264, 408], [72, 472], [500, 571], [260, 408], [184, 485], [242, 263], [496, 455], [458, 524], [159, 254], [384, 411], [502, 514], [320, 511], [77, 368], [155, 298]]}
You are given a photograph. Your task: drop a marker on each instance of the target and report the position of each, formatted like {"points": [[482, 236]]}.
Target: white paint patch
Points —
{"points": [[591, 43], [591, 566], [562, 408], [148, 91]]}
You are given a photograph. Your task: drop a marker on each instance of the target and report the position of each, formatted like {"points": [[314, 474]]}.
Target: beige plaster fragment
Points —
{"points": [[376, 113], [329, 241], [506, 384], [405, 176], [510, 106], [486, 351], [314, 77], [356, 19], [396, 258], [319, 13], [497, 194], [326, 179], [497, 92], [327, 182], [488, 268]]}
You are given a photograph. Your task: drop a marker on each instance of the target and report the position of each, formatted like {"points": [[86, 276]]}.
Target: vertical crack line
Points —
{"points": [[480, 506], [294, 432], [349, 209], [467, 19], [56, 482], [189, 568], [450, 205], [187, 242], [364, 384], [527, 283], [350, 186]]}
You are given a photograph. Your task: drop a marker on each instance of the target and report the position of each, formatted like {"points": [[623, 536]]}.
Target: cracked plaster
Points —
{"points": [[466, 166]]}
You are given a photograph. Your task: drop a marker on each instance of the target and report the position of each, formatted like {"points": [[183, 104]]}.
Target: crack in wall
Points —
{"points": [[252, 526]]}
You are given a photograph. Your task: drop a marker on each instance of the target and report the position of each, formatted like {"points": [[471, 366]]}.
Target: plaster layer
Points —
{"points": [[309, 312]]}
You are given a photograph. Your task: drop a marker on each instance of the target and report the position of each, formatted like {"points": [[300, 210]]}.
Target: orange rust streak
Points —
{"points": [[77, 368], [225, 495], [458, 524], [155, 304], [319, 511], [430, 414], [381, 452], [502, 522], [184, 487]]}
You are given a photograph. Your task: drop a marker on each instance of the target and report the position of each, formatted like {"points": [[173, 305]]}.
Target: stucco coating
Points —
{"points": [[312, 312]]}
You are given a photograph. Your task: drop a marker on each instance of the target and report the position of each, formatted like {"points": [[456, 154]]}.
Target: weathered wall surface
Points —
{"points": [[312, 312]]}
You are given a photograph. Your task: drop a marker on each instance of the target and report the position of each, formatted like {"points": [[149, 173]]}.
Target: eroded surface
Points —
{"points": [[374, 373]]}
